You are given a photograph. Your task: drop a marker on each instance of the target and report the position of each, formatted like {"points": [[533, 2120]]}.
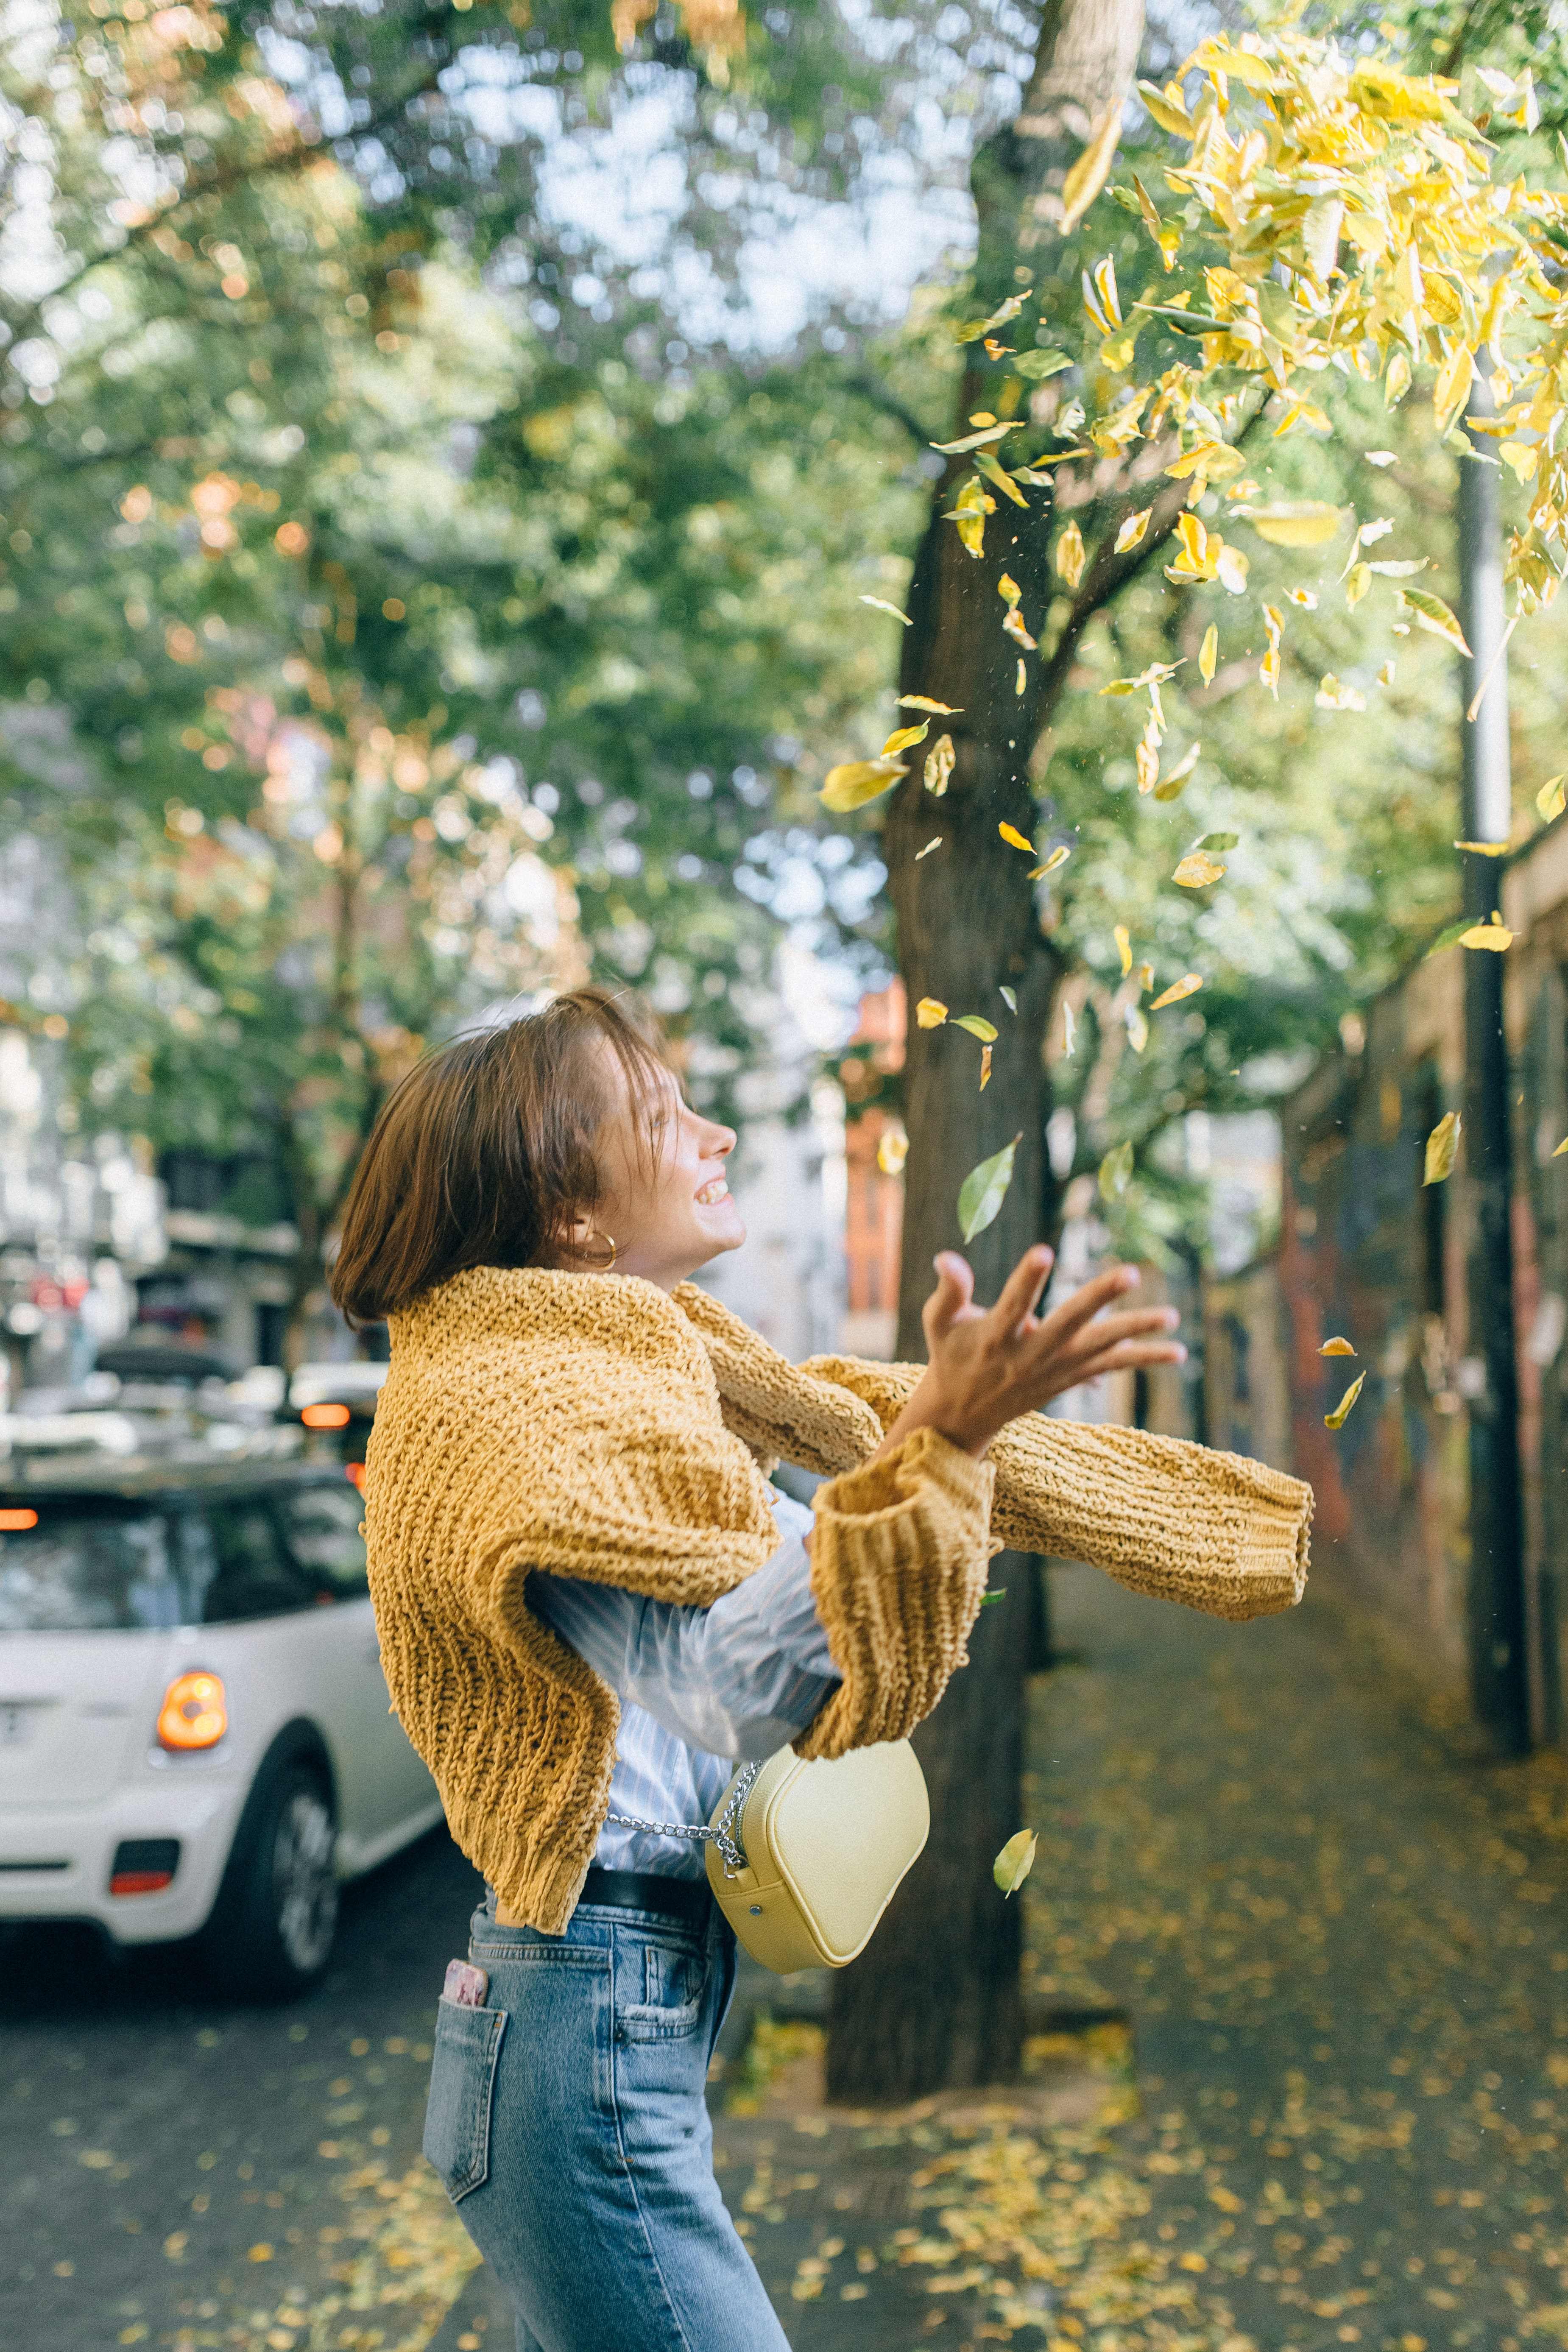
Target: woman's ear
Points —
{"points": [[572, 1239]]}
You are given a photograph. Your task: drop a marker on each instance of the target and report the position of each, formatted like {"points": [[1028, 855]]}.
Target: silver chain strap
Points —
{"points": [[725, 1833]]}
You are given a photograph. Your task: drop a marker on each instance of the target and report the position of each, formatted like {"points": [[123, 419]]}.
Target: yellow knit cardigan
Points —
{"points": [[593, 1425]]}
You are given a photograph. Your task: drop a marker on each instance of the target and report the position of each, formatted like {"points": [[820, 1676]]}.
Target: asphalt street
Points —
{"points": [[176, 2170]]}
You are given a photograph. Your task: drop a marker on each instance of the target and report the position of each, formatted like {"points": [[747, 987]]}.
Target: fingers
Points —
{"points": [[1084, 1304], [1131, 1356], [955, 1289], [1021, 1292], [1141, 1326]]}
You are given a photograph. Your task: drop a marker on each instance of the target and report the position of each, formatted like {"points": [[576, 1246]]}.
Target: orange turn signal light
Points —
{"points": [[194, 1713], [325, 1416], [17, 1522]]}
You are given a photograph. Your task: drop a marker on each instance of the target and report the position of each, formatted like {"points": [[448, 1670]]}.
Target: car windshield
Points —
{"points": [[95, 1563]]}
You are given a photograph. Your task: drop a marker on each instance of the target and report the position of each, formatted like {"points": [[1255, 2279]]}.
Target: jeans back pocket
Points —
{"points": [[462, 2082]]}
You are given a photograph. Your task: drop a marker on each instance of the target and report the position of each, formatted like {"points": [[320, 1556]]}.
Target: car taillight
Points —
{"points": [[325, 1416], [143, 1865], [194, 1713]]}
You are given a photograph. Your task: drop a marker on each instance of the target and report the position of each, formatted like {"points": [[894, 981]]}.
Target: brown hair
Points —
{"points": [[486, 1150]]}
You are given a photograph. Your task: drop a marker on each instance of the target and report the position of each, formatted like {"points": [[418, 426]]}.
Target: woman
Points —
{"points": [[592, 1605]]}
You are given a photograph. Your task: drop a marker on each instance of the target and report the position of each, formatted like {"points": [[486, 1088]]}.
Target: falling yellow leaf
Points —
{"points": [[1137, 1028], [880, 604], [1484, 848], [984, 1068], [1358, 580], [924, 702], [1452, 386], [1442, 1148], [1209, 654], [941, 760], [1115, 1172], [1306, 597], [1010, 998], [1132, 529], [857, 781], [1015, 1862], [1188, 985], [1397, 382], [1170, 783], [902, 737], [931, 1013], [1562, 1147], [1059, 857], [1336, 1347], [1340, 1414], [1148, 764], [1021, 678], [1334, 695], [1124, 939], [1431, 613], [935, 843], [1070, 1033], [1231, 568], [1302, 522], [1494, 935], [1087, 174], [1552, 797], [1386, 674], [1016, 840], [994, 472], [1013, 623], [977, 1026], [892, 1150], [1197, 871], [1068, 556]]}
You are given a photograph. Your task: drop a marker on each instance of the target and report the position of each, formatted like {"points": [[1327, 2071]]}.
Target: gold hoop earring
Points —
{"points": [[604, 1264]]}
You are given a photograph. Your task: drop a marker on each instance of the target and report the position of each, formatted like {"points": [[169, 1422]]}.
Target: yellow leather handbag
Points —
{"points": [[804, 1859]]}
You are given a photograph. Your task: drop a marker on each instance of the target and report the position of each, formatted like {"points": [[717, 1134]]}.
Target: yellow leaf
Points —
{"points": [[902, 737], [984, 1068], [983, 440], [1088, 175], [856, 781], [1358, 580], [1011, 834], [1167, 107], [1132, 529], [1008, 589], [1015, 1862], [1340, 1414], [1232, 567], [1124, 939], [1494, 935], [1396, 382], [1336, 1347], [1021, 678], [1137, 1028], [1442, 1148], [935, 843], [1013, 623], [1105, 290], [924, 702], [1386, 674], [1301, 522], [1069, 1031], [1148, 763], [1453, 384], [941, 760], [931, 1013], [1209, 654], [1069, 555], [1197, 871], [880, 604], [892, 1150], [1552, 797], [1188, 985], [1306, 597], [1484, 848], [1003, 480], [1562, 1147], [1334, 695], [1431, 613], [1059, 857], [977, 1025]]}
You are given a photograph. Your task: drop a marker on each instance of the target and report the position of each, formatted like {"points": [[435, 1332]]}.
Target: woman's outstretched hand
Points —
{"points": [[987, 1365]]}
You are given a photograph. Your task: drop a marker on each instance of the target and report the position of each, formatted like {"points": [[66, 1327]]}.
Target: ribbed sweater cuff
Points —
{"points": [[898, 1567]]}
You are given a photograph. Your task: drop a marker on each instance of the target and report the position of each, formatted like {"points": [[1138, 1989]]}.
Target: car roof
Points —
{"points": [[134, 1481]]}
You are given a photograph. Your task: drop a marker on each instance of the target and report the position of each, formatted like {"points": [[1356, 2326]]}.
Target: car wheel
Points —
{"points": [[271, 1931]]}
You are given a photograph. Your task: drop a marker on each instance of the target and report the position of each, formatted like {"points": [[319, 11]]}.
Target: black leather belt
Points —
{"points": [[649, 1890]]}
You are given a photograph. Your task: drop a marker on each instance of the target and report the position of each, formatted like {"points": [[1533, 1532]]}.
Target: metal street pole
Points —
{"points": [[1499, 1664]]}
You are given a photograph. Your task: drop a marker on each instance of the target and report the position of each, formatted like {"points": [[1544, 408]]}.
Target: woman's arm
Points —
{"points": [[740, 1678]]}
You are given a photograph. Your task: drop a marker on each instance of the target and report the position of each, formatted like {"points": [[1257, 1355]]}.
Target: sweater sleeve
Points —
{"points": [[899, 1559], [1162, 1515]]}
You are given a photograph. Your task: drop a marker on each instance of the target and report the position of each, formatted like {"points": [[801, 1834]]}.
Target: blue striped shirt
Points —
{"points": [[701, 1689]]}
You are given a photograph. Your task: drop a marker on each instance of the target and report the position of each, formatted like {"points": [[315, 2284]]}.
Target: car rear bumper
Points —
{"points": [[56, 1860]]}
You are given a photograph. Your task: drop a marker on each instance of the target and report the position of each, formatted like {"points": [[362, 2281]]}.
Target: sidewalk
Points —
{"points": [[1338, 1940]]}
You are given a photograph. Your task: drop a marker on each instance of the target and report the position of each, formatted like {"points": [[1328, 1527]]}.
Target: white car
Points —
{"points": [[194, 1730]]}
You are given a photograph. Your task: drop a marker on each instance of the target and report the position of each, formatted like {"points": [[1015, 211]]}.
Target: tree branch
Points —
{"points": [[873, 389]]}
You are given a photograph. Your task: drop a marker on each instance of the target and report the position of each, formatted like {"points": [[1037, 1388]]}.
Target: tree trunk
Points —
{"points": [[935, 2000]]}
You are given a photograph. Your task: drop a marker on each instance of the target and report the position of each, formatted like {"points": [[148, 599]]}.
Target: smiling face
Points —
{"points": [[666, 1201]]}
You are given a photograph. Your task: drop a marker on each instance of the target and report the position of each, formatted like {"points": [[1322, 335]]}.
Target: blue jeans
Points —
{"points": [[568, 2121]]}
